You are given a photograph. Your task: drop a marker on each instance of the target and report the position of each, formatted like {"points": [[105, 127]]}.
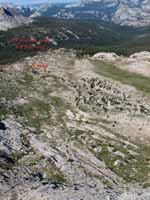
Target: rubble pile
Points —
{"points": [[101, 95]]}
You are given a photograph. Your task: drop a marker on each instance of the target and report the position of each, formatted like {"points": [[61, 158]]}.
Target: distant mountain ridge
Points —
{"points": [[134, 13]]}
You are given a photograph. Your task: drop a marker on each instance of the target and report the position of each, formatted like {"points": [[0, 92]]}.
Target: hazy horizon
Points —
{"points": [[33, 1]]}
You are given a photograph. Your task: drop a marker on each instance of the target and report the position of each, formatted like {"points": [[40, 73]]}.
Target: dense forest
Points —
{"points": [[87, 37]]}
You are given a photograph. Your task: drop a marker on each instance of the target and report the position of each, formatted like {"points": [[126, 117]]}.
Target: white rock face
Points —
{"points": [[9, 19], [131, 16], [106, 56], [144, 55], [138, 63]]}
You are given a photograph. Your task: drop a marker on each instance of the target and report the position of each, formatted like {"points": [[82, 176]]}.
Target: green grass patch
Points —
{"points": [[54, 174], [34, 113], [109, 70], [30, 160], [131, 167]]}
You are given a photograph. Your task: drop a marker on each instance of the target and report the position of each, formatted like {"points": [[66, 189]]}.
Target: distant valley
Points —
{"points": [[86, 36]]}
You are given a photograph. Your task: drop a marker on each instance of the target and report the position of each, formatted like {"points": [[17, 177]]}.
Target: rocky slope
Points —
{"points": [[70, 132], [10, 18]]}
